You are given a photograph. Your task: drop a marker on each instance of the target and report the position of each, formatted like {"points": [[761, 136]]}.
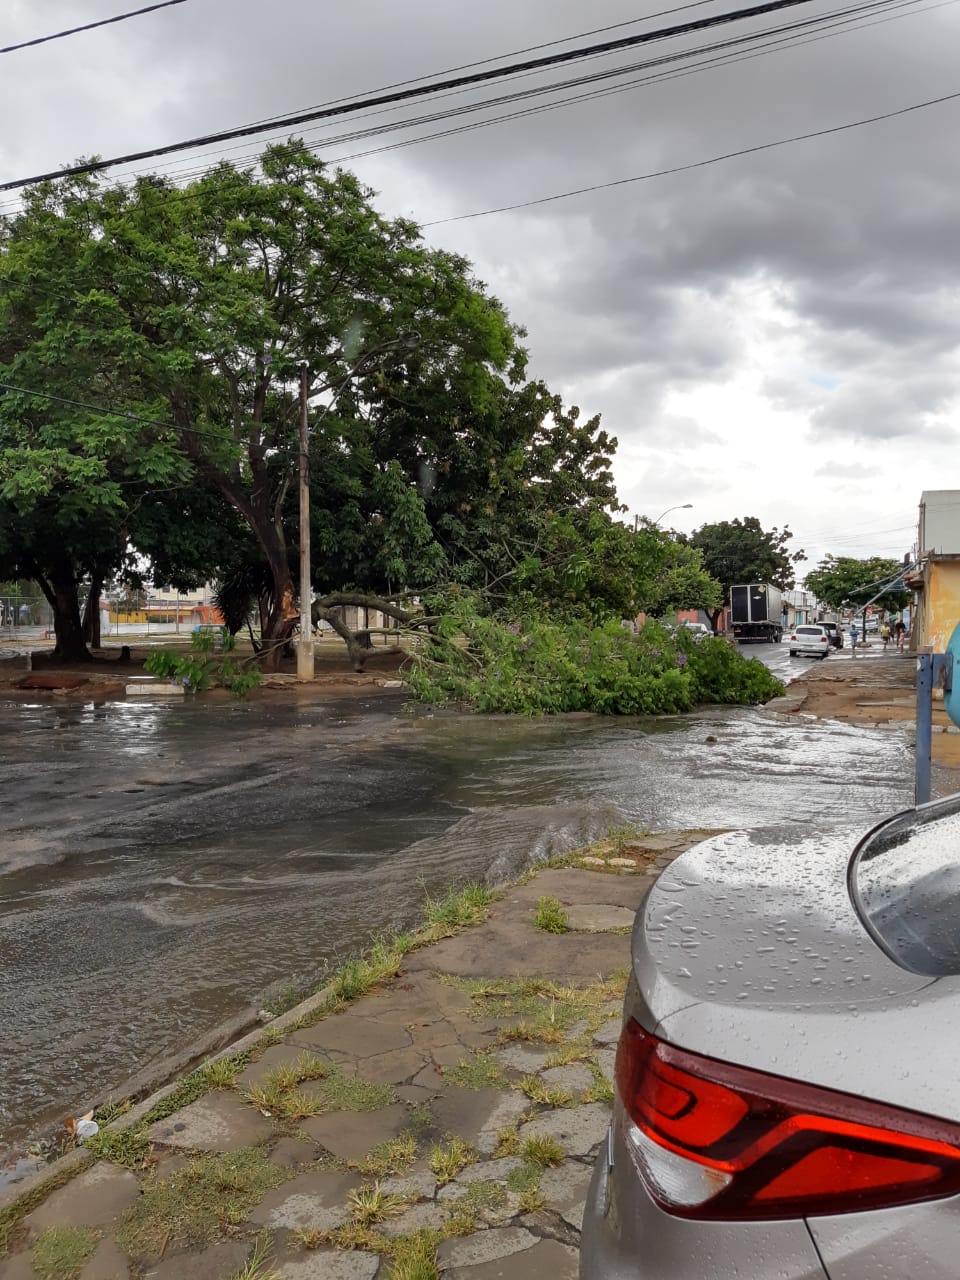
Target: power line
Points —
{"points": [[777, 39], [403, 95], [698, 164], [91, 26]]}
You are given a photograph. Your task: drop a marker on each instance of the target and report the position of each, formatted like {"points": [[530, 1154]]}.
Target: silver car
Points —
{"points": [[788, 1077]]}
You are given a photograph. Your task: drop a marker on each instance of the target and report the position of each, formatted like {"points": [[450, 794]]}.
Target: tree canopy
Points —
{"points": [[741, 550], [151, 352], [843, 581]]}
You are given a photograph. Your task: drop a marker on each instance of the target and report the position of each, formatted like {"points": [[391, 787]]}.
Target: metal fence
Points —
{"points": [[24, 616]]}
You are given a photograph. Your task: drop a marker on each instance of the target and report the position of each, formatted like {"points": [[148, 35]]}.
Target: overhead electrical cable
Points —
{"points": [[514, 53], [383, 99], [698, 164], [91, 26], [770, 39]]}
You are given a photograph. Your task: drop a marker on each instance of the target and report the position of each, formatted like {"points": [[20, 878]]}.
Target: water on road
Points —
{"points": [[162, 864]]}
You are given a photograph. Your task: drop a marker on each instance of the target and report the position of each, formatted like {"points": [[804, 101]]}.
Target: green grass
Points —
{"points": [[259, 1261], [128, 1148], [280, 1095], [212, 1195], [396, 1155], [478, 1071], [545, 1152], [350, 1093], [483, 1196], [414, 1256], [448, 1158], [550, 1095], [537, 1009], [458, 909], [61, 1253], [551, 916], [13, 1214], [523, 1178], [221, 1073]]}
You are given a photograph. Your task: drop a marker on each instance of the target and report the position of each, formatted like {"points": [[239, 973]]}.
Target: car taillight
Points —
{"points": [[823, 639], [793, 637], [713, 1140]]}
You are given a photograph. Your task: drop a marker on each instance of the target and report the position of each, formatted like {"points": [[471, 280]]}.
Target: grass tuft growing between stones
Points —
{"points": [[128, 1148], [372, 1204], [222, 1073], [414, 1256], [449, 1157], [550, 1095], [212, 1194], [258, 1264], [478, 1071], [541, 1010], [545, 1152], [551, 916], [396, 1155], [458, 909], [279, 1093], [61, 1253]]}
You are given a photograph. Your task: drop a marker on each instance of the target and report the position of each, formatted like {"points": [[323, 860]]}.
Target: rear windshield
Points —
{"points": [[829, 626], [808, 631], [906, 887]]}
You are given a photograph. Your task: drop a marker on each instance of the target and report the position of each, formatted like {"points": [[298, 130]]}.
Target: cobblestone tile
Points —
{"points": [[327, 1264], [484, 1246], [426, 1216], [577, 1129], [93, 1199], [548, 1260], [108, 1263], [217, 1122], [574, 1078], [314, 1199], [355, 1036], [351, 1135]]}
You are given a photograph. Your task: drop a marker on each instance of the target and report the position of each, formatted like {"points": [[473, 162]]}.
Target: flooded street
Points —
{"points": [[160, 865]]}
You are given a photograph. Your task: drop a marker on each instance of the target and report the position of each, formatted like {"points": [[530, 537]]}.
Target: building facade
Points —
{"points": [[936, 577]]}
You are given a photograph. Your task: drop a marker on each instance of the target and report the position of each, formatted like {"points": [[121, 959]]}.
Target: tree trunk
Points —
{"points": [[714, 615], [60, 588], [284, 614], [91, 612]]}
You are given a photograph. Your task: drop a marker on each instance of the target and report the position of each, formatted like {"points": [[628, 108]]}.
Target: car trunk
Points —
{"points": [[748, 949]]}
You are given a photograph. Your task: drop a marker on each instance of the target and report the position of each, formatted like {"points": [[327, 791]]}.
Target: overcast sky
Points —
{"points": [[776, 335]]}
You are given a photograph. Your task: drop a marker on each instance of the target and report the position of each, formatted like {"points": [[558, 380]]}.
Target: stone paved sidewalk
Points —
{"points": [[445, 1124]]}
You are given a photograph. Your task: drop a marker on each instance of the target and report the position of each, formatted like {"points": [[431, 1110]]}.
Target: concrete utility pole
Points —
{"points": [[305, 665]]}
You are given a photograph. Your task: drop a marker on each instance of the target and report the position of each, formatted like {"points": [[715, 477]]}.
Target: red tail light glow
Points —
{"points": [[712, 1140]]}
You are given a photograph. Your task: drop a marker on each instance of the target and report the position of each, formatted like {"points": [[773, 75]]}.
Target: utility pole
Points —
{"points": [[305, 667]]}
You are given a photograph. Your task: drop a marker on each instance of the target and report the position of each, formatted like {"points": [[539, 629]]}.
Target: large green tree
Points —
{"points": [[741, 550], [843, 581], [195, 308]]}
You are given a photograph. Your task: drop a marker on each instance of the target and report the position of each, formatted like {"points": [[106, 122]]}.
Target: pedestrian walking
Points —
{"points": [[885, 635], [854, 636], [900, 632]]}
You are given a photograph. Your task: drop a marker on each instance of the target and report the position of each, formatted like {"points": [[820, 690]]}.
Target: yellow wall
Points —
{"points": [[942, 611]]}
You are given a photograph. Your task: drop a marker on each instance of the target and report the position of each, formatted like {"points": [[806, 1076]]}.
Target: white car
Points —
{"points": [[809, 639], [698, 630]]}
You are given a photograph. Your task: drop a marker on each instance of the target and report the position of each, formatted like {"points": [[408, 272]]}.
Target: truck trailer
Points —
{"points": [[756, 612]]}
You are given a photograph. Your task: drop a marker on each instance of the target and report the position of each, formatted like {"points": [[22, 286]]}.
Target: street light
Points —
{"points": [[408, 341], [683, 506]]}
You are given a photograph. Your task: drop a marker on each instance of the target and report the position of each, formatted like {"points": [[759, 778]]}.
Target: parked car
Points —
{"points": [[787, 1102], [698, 630], [834, 634], [809, 639]]}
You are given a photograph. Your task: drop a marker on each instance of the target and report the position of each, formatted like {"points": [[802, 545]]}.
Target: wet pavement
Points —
{"points": [[162, 864]]}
